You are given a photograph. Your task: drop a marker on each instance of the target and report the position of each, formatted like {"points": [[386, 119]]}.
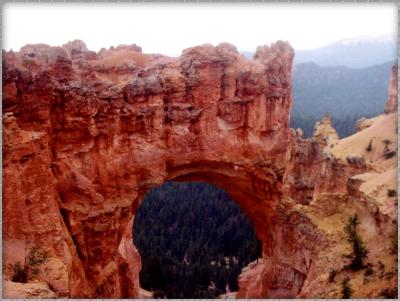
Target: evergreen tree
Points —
{"points": [[359, 250], [188, 235]]}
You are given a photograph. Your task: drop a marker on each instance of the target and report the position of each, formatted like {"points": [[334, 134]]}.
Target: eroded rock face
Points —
{"points": [[26, 290], [87, 134]]}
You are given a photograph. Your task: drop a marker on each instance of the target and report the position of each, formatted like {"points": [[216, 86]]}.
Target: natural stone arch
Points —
{"points": [[94, 132], [258, 198]]}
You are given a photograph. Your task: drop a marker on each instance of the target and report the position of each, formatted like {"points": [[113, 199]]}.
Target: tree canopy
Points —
{"points": [[193, 241]]}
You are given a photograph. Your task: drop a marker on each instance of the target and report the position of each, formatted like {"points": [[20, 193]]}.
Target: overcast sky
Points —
{"points": [[170, 28]]}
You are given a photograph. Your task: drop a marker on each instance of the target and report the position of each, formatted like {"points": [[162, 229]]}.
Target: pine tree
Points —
{"points": [[359, 250]]}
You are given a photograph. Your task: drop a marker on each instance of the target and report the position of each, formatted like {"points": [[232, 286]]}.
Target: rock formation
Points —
{"points": [[324, 132], [26, 290], [358, 176], [86, 135], [392, 102]]}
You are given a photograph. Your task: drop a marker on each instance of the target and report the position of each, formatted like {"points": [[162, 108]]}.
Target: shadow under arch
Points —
{"points": [[257, 197]]}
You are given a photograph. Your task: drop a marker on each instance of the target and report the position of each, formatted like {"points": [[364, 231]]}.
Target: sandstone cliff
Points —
{"points": [[86, 135]]}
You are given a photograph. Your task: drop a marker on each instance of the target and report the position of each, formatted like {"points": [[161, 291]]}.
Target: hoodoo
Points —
{"points": [[86, 135], [392, 103]]}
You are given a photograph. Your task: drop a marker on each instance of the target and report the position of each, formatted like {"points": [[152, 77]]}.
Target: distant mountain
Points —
{"points": [[345, 93], [358, 52]]}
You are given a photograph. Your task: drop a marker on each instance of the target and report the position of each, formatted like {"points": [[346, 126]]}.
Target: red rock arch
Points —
{"points": [[86, 135]]}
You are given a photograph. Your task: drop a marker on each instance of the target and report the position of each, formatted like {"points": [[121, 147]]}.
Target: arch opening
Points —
{"points": [[193, 240]]}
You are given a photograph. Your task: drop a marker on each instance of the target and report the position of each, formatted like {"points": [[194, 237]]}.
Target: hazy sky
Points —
{"points": [[170, 28]]}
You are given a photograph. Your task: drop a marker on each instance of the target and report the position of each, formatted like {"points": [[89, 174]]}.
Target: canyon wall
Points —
{"points": [[86, 135]]}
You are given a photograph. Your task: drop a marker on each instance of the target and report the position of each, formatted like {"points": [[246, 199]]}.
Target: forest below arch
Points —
{"points": [[193, 241]]}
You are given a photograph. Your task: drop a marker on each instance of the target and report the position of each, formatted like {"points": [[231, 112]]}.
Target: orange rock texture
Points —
{"points": [[86, 135]]}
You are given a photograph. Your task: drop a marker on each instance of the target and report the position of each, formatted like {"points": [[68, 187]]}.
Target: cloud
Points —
{"points": [[170, 28]]}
